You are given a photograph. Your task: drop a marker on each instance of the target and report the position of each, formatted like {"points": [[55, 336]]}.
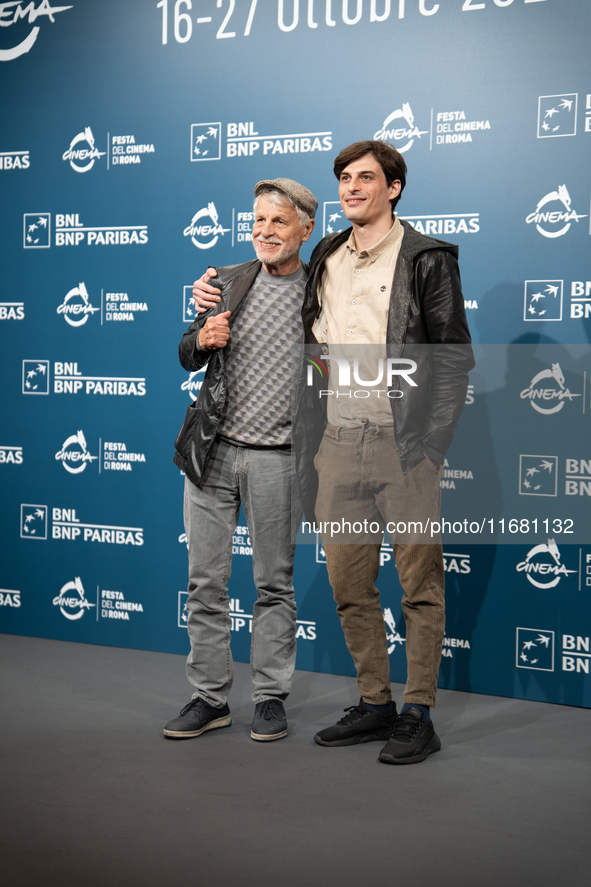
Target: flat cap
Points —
{"points": [[298, 194]]}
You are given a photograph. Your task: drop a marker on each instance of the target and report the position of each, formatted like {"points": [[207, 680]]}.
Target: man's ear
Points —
{"points": [[395, 189], [308, 230]]}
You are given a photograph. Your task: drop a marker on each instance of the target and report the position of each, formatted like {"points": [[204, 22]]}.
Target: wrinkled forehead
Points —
{"points": [[269, 200]]}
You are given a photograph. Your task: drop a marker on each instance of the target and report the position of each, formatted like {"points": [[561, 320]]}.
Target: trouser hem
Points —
{"points": [[208, 700], [280, 697], [414, 700]]}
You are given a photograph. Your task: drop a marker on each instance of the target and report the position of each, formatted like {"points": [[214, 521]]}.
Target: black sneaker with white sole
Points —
{"points": [[360, 724], [197, 717], [269, 721], [413, 739]]}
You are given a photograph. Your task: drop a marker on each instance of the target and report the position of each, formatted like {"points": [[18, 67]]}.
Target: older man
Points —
{"points": [[235, 447]]}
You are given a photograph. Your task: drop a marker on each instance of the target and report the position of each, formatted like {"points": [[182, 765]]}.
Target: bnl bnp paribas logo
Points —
{"points": [[71, 231], [542, 300], [68, 379], [243, 140], [37, 230], [554, 215], [30, 13], [35, 377], [534, 648], [33, 521], [538, 475], [206, 141], [557, 115]]}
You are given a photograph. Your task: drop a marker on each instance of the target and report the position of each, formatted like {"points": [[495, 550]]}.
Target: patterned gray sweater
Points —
{"points": [[260, 361]]}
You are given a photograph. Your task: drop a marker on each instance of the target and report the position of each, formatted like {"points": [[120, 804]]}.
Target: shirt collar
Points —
{"points": [[381, 246]]}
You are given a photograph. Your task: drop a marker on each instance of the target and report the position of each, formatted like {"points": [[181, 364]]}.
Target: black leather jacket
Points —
{"points": [[427, 322], [196, 438]]}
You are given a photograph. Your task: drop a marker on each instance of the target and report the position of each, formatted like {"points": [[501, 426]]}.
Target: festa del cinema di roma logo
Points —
{"points": [[74, 454], [83, 155], [543, 560], [548, 218], [13, 12], [394, 132], [72, 600], [76, 304], [204, 236], [557, 392]]}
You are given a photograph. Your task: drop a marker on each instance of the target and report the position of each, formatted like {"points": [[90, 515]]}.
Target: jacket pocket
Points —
{"points": [[185, 435]]}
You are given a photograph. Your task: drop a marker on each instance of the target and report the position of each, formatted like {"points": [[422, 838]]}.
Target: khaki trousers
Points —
{"points": [[361, 483]]}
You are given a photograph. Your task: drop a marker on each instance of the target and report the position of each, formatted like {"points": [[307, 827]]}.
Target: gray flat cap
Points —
{"points": [[296, 193]]}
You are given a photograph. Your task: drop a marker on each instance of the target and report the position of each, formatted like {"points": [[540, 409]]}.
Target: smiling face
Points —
{"points": [[364, 193], [277, 234]]}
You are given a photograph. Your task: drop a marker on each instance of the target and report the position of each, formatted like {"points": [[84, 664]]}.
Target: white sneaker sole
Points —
{"points": [[263, 737], [211, 725]]}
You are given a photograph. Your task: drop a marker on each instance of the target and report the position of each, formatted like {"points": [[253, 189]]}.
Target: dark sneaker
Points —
{"points": [[360, 724], [197, 717], [269, 721], [412, 740]]}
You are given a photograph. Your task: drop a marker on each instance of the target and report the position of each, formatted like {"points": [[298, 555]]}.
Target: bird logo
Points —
{"points": [[206, 141]]}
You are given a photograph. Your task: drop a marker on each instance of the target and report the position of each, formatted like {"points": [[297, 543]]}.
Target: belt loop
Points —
{"points": [[359, 441]]}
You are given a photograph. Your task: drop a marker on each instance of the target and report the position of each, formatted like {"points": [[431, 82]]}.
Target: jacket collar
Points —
{"points": [[414, 243], [238, 279]]}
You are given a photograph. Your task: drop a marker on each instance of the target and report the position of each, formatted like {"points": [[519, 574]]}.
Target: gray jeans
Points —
{"points": [[262, 479]]}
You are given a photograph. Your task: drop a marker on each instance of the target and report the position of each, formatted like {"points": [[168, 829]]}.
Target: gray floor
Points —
{"points": [[94, 795]]}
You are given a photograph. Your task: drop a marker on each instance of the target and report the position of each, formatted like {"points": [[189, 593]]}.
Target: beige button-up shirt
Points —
{"points": [[355, 298]]}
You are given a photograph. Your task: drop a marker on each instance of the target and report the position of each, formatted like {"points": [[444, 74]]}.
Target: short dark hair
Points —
{"points": [[391, 161]]}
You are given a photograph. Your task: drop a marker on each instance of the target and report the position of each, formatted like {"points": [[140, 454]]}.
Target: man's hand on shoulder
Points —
{"points": [[204, 295], [215, 332]]}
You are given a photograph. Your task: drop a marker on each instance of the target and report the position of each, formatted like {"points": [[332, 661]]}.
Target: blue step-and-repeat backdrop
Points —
{"points": [[131, 136]]}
